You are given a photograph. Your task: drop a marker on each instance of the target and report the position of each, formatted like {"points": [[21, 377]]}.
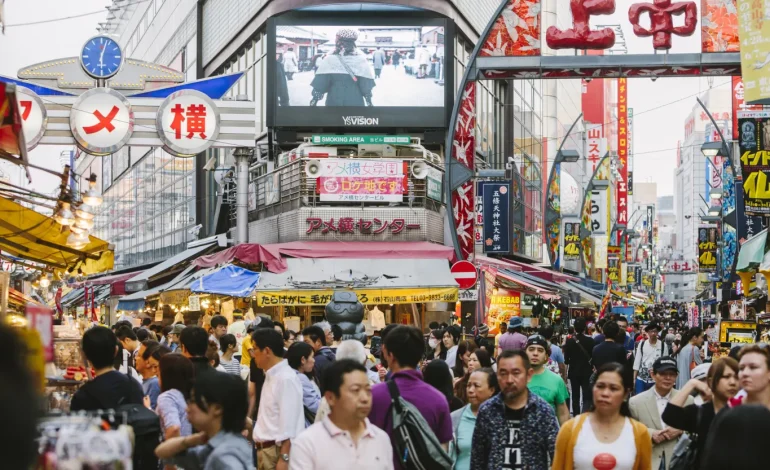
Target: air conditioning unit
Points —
{"points": [[376, 150]]}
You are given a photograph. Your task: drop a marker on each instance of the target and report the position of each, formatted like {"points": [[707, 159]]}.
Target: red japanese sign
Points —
{"points": [[188, 123], [662, 14], [361, 189], [596, 145], [344, 225], [622, 192]]}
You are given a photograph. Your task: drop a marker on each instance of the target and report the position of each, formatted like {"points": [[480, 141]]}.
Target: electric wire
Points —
{"points": [[72, 17]]}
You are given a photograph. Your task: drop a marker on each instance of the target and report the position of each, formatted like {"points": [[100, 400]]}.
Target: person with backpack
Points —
{"points": [[344, 439], [418, 412], [217, 408], [577, 356], [515, 429], [645, 355]]}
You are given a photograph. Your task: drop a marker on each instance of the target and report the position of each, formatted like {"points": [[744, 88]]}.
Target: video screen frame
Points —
{"points": [[359, 117]]}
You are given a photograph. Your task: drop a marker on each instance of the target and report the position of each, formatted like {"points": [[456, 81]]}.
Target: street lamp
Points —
{"points": [[710, 219], [715, 193], [570, 156], [715, 210], [712, 149]]}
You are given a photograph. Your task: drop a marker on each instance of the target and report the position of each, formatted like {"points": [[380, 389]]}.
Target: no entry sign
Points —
{"points": [[465, 274]]}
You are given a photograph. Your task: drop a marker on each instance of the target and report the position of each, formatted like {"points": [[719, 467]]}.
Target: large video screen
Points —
{"points": [[388, 74]]}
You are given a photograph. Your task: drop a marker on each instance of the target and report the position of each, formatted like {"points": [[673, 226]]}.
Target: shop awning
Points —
{"points": [[525, 284], [274, 256], [181, 282], [170, 266], [752, 252], [376, 281], [585, 292], [35, 237], [230, 280], [72, 297]]}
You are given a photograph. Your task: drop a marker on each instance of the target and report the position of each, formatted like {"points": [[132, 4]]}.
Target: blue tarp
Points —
{"points": [[230, 280], [131, 305]]}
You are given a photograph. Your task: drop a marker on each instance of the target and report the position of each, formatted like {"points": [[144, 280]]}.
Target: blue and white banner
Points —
{"points": [[497, 226]]}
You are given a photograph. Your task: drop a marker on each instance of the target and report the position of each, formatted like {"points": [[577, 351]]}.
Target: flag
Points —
{"points": [[606, 304]]}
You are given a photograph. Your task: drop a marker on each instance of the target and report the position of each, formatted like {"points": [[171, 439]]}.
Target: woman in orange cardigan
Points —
{"points": [[605, 438]]}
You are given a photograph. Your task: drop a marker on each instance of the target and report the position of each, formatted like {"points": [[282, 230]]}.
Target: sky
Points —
{"points": [[26, 45]]}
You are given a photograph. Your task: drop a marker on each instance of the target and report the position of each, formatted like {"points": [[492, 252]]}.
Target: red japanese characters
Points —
{"points": [[581, 36], [662, 14]]}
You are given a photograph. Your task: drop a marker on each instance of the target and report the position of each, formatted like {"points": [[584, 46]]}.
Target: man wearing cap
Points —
{"points": [[173, 337], [648, 407], [513, 339], [645, 355], [544, 383]]}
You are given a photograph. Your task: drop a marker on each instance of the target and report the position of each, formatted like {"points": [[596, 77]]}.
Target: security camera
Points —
{"points": [[195, 230], [210, 164]]}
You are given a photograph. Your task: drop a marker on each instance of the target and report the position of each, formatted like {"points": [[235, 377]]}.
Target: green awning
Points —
{"points": [[752, 252]]}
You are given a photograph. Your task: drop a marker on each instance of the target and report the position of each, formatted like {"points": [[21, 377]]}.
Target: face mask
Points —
{"points": [[433, 343]]}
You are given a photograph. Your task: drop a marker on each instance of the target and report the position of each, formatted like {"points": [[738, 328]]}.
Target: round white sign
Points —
{"points": [[188, 123], [102, 121], [34, 117]]}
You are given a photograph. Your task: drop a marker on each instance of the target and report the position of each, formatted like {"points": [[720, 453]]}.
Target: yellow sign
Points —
{"points": [[365, 296], [503, 305], [730, 331], [754, 33], [175, 296]]}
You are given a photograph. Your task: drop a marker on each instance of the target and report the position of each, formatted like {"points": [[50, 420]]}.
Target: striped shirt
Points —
{"points": [[231, 367]]}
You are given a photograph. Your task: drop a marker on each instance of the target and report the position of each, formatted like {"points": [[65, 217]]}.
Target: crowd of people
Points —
{"points": [[254, 395]]}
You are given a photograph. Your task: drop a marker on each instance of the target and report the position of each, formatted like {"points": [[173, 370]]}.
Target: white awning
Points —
{"points": [[139, 282]]}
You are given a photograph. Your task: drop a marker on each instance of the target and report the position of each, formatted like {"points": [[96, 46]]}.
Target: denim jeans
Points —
{"points": [[642, 386]]}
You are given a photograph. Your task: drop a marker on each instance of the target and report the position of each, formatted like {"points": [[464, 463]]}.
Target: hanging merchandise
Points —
{"points": [[227, 310], [377, 318], [179, 318], [85, 441]]}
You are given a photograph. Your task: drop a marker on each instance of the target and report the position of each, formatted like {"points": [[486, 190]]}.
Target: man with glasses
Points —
{"points": [[544, 383], [147, 360]]}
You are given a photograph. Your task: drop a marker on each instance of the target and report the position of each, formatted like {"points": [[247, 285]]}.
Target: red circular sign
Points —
{"points": [[465, 274]]}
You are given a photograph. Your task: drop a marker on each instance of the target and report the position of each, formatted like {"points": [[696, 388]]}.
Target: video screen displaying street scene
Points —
{"points": [[366, 66]]}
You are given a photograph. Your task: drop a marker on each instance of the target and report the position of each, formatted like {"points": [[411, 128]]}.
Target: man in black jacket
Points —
{"points": [[577, 356], [324, 356], [109, 388]]}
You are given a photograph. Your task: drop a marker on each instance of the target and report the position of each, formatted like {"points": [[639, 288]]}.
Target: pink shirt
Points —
{"points": [[324, 446]]}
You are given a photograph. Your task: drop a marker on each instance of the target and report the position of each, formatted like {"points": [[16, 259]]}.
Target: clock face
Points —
{"points": [[101, 57]]}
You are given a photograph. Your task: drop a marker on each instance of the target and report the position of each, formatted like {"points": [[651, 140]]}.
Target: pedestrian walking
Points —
{"points": [[544, 383], [451, 340], [754, 375], [606, 437], [279, 417], [437, 374], [610, 350], [721, 385], [648, 407], [402, 349], [464, 351], [218, 409], [478, 359], [227, 347], [172, 339], [345, 439], [689, 354], [194, 344], [436, 345], [218, 329], [738, 439], [378, 61], [557, 355], [147, 362], [109, 388], [315, 336], [344, 76], [290, 64], [514, 429], [176, 379], [300, 358], [513, 338], [239, 329], [577, 356], [481, 386], [503, 329], [645, 355]]}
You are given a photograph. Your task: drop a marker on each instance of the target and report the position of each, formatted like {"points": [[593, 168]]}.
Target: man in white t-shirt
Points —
{"points": [[237, 329], [645, 355]]}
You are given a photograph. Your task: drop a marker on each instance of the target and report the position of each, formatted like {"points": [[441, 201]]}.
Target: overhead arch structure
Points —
{"points": [[510, 48]]}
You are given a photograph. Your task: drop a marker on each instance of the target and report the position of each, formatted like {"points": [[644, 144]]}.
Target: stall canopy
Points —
{"points": [[586, 293], [273, 256], [173, 265], [375, 281], [230, 280], [30, 235], [525, 284], [181, 282], [117, 282]]}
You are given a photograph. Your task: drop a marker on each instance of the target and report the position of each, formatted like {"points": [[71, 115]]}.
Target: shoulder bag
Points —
{"points": [[685, 455]]}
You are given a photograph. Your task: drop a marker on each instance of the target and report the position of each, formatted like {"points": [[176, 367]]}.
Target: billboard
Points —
{"points": [[754, 31], [754, 144], [707, 249], [359, 71], [497, 223]]}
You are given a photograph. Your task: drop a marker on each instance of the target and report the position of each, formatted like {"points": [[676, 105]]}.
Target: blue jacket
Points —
{"points": [[538, 434], [323, 359]]}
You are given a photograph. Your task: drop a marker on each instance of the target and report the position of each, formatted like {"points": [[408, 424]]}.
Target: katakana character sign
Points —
{"points": [[188, 123], [581, 36], [34, 117], [101, 121], [348, 225], [662, 14]]}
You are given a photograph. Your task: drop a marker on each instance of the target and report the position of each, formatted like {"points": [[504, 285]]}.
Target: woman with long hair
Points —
{"points": [[481, 386], [300, 358], [438, 375], [606, 436], [477, 359], [720, 386], [754, 375], [464, 351], [175, 380], [436, 345], [688, 356]]}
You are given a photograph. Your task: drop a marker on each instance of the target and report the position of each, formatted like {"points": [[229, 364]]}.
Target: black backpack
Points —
{"points": [[414, 442]]}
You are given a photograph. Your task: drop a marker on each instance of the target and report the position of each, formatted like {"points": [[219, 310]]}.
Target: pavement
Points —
{"points": [[394, 88]]}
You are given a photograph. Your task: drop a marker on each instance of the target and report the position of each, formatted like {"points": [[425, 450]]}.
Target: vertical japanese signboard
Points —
{"points": [[650, 218], [599, 211], [497, 197], [754, 31], [754, 143], [707, 249], [622, 192], [596, 146], [571, 242], [478, 229]]}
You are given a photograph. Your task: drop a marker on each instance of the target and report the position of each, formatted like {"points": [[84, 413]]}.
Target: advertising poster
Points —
{"points": [[754, 144], [754, 31], [719, 26], [504, 304], [571, 242], [613, 271], [621, 194], [707, 249], [497, 237], [348, 189]]}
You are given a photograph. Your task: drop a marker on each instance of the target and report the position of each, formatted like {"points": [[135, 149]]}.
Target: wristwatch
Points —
{"points": [[285, 457]]}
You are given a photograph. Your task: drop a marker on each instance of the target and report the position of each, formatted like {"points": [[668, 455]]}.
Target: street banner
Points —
{"points": [[650, 219], [707, 249], [739, 104], [376, 189], [321, 297], [571, 242], [621, 199], [719, 26], [600, 251], [496, 201], [359, 168], [478, 231], [754, 31], [599, 211], [613, 271], [754, 145]]}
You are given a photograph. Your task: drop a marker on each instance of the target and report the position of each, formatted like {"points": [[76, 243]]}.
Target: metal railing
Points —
{"points": [[289, 188]]}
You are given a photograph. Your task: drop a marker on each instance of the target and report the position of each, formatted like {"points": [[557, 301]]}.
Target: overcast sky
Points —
{"points": [[26, 45]]}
